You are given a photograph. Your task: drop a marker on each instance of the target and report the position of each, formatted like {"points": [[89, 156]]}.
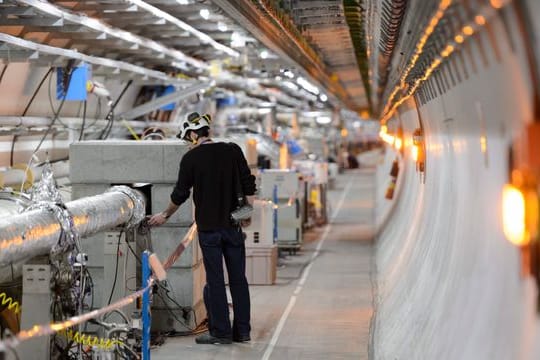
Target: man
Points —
{"points": [[211, 168]]}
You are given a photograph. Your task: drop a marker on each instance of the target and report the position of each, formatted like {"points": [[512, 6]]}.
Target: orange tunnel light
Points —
{"points": [[468, 30], [414, 152], [514, 216]]}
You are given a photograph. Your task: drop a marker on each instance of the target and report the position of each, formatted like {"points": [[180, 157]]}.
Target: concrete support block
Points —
{"points": [[185, 286], [83, 190], [161, 194], [165, 239], [163, 320], [125, 161]]}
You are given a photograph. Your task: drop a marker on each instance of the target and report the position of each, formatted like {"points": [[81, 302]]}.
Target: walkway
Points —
{"points": [[321, 305]]}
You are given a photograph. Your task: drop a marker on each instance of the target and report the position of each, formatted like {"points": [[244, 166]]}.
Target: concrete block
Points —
{"points": [[128, 162], [161, 195], [163, 320], [84, 190], [184, 286], [171, 161], [125, 161], [85, 163], [165, 239]]}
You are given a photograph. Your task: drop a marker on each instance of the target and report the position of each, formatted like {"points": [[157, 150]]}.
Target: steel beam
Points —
{"points": [[164, 100], [51, 10], [94, 60]]}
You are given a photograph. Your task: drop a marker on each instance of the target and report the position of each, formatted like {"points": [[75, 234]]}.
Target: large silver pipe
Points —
{"points": [[35, 232]]}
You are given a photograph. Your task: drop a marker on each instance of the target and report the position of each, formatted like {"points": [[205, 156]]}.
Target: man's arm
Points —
{"points": [[162, 217]]}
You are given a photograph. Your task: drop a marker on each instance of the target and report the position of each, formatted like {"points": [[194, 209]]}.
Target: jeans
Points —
{"points": [[228, 244]]}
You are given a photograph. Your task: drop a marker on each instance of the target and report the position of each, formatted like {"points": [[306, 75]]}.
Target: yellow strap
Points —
{"points": [[29, 175], [130, 129]]}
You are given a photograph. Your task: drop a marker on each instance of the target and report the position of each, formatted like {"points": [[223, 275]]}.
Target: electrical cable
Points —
{"points": [[3, 72], [49, 72], [25, 111], [49, 94], [116, 267], [110, 115], [56, 114], [13, 141], [81, 134]]}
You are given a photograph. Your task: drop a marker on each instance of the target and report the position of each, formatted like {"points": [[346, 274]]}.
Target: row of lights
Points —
{"points": [[205, 14], [467, 31]]}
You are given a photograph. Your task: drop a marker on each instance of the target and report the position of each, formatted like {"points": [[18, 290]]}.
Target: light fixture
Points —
{"points": [[237, 40], [307, 85], [222, 26], [418, 151], [289, 74], [497, 4], [344, 132], [264, 54], [323, 120], [323, 98], [514, 216], [480, 20], [290, 85], [364, 114], [398, 143], [183, 2], [205, 14], [468, 30]]}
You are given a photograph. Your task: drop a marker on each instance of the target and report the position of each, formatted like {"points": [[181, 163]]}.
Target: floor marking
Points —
{"points": [[304, 276]]}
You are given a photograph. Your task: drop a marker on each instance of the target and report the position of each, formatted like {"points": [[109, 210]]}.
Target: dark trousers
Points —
{"points": [[228, 244]]}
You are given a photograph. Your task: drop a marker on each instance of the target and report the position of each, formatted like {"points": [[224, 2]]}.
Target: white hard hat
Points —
{"points": [[194, 121]]}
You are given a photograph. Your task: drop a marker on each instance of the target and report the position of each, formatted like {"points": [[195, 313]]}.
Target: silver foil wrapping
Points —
{"points": [[37, 231]]}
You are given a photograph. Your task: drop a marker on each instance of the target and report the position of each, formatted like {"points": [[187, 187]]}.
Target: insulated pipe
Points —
{"points": [[36, 232], [15, 177]]}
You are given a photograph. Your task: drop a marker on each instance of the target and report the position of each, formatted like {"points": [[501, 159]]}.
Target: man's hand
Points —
{"points": [[157, 219], [245, 223]]}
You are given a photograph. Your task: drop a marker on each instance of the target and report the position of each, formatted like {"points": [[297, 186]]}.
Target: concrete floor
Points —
{"points": [[321, 305]]}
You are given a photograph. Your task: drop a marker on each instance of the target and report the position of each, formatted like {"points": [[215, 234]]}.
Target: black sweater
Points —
{"points": [[210, 169]]}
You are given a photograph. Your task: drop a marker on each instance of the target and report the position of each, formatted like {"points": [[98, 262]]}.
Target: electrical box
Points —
{"points": [[261, 231], [286, 182], [289, 225], [72, 82]]}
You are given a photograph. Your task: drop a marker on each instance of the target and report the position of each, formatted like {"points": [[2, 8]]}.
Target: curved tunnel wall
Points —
{"points": [[448, 282]]}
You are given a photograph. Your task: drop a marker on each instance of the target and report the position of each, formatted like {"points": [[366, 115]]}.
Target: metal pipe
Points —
{"points": [[15, 177], [35, 232]]}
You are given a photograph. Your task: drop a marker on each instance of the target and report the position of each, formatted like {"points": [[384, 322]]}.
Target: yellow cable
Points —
{"points": [[28, 175], [130, 129]]}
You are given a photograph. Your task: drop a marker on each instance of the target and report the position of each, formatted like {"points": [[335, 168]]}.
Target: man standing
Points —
{"points": [[213, 169]]}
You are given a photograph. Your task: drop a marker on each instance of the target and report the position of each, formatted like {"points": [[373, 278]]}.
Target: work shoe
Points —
{"points": [[241, 338], [209, 339]]}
